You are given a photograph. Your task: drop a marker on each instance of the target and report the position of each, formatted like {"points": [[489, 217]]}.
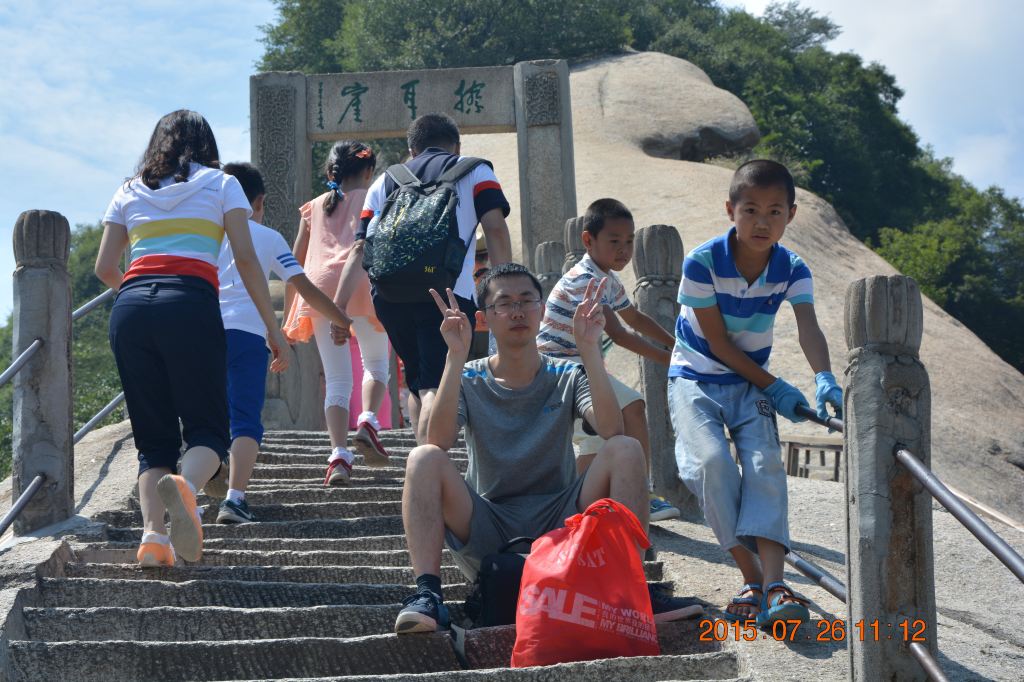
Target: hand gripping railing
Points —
{"points": [[16, 366]]}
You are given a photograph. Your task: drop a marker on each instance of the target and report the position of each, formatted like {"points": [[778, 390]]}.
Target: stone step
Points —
{"points": [[359, 474], [216, 660], [352, 575], [175, 624], [317, 528], [307, 456], [368, 543], [492, 647], [291, 494], [318, 483], [92, 592], [299, 511], [312, 573], [721, 666], [262, 557]]}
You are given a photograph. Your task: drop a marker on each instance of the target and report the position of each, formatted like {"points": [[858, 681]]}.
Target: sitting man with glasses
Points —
{"points": [[518, 408]]}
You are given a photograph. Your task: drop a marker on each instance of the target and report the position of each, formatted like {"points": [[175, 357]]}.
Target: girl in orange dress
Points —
{"points": [[326, 234]]}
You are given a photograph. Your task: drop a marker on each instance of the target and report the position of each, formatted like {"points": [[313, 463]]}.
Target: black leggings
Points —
{"points": [[168, 341]]}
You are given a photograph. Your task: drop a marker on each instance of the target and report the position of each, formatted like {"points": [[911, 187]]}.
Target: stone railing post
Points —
{"points": [[42, 438], [548, 265], [657, 263], [547, 171], [574, 248], [889, 557]]}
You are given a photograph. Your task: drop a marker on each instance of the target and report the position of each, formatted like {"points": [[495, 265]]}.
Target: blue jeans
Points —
{"points": [[739, 507]]}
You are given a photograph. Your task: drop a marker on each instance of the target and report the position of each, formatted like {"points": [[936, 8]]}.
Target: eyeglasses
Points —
{"points": [[506, 307]]}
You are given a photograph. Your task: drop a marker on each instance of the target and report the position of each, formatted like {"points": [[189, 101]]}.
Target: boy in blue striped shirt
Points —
{"points": [[731, 290]]}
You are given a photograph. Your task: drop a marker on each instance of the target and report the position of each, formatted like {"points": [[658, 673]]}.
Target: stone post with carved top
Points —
{"points": [[42, 438], [889, 557], [657, 263]]}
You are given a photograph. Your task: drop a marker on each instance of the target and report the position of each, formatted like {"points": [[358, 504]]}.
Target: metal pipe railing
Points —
{"points": [[832, 422], [825, 580], [88, 307], [927, 662], [20, 361], [98, 417], [962, 512], [21, 502]]}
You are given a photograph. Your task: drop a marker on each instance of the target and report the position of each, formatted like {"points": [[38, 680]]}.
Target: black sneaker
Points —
{"points": [[234, 512], [422, 612], [668, 608]]}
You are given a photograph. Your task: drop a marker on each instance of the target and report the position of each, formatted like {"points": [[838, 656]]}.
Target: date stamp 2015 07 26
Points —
{"points": [[827, 631]]}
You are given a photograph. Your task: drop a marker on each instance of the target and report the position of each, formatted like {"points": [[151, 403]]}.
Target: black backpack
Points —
{"points": [[416, 245]]}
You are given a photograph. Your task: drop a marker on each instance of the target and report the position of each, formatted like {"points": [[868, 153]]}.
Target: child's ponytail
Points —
{"points": [[346, 158]]}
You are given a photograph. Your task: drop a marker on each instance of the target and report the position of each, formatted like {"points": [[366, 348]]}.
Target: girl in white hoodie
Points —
{"points": [[165, 327]]}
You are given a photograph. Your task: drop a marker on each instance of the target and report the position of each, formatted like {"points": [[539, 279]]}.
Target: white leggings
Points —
{"points": [[337, 360]]}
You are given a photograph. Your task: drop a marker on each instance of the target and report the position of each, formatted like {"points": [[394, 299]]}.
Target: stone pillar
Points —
{"points": [[548, 265], [574, 249], [295, 399], [889, 557], [657, 263], [42, 439], [280, 146], [547, 175]]}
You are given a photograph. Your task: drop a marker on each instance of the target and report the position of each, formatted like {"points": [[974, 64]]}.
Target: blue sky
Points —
{"points": [[84, 82]]}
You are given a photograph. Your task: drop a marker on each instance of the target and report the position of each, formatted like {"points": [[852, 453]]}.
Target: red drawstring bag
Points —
{"points": [[583, 594]]}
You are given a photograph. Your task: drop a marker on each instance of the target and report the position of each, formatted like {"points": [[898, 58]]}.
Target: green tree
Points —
{"points": [[831, 117]]}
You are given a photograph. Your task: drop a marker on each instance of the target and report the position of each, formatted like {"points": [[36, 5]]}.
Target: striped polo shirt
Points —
{"points": [[177, 228], [710, 278], [555, 337]]}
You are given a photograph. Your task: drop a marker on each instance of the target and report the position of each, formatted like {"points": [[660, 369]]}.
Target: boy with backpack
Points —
{"points": [[246, 341], [411, 244]]}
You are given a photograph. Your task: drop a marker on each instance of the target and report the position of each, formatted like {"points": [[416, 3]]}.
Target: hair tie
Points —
{"points": [[363, 153], [331, 184]]}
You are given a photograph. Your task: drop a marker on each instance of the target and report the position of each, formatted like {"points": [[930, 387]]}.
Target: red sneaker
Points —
{"points": [[369, 446], [338, 473]]}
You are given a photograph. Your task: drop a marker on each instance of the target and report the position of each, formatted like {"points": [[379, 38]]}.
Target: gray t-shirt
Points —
{"points": [[520, 440]]}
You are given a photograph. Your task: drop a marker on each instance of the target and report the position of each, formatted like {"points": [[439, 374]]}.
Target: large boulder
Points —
{"points": [[978, 399], [663, 105]]}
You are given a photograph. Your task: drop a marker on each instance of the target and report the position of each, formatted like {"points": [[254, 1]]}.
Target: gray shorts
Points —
{"points": [[495, 523]]}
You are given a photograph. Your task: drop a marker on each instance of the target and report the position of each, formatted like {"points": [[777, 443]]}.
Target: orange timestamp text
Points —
{"points": [[826, 631]]}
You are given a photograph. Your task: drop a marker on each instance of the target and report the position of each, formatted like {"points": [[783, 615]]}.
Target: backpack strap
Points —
{"points": [[404, 177], [461, 169]]}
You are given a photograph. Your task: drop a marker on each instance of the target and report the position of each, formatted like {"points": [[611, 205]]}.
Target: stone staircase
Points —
{"points": [[309, 592]]}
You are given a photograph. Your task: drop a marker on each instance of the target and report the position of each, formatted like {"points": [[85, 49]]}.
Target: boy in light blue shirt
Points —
{"points": [[731, 289]]}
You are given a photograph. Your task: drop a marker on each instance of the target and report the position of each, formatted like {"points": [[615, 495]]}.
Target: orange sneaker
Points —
{"points": [[186, 531], [155, 554]]}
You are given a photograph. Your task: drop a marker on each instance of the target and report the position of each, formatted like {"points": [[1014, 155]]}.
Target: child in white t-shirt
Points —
{"points": [[246, 338]]}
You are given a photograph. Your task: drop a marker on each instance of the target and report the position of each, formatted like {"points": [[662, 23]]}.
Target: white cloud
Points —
{"points": [[84, 83]]}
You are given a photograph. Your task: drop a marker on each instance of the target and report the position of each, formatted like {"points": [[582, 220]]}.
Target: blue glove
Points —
{"points": [[828, 392], [785, 397]]}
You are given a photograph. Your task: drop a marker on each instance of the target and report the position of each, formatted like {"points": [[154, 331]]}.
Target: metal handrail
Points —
{"points": [[20, 361], [825, 580], [837, 589], [833, 423], [98, 417], [21, 502], [962, 512], [94, 303]]}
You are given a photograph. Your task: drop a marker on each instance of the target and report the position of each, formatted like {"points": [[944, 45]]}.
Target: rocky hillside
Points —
{"points": [[637, 117]]}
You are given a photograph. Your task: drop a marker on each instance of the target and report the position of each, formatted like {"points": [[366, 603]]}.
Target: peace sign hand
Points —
{"points": [[456, 329], [588, 321]]}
